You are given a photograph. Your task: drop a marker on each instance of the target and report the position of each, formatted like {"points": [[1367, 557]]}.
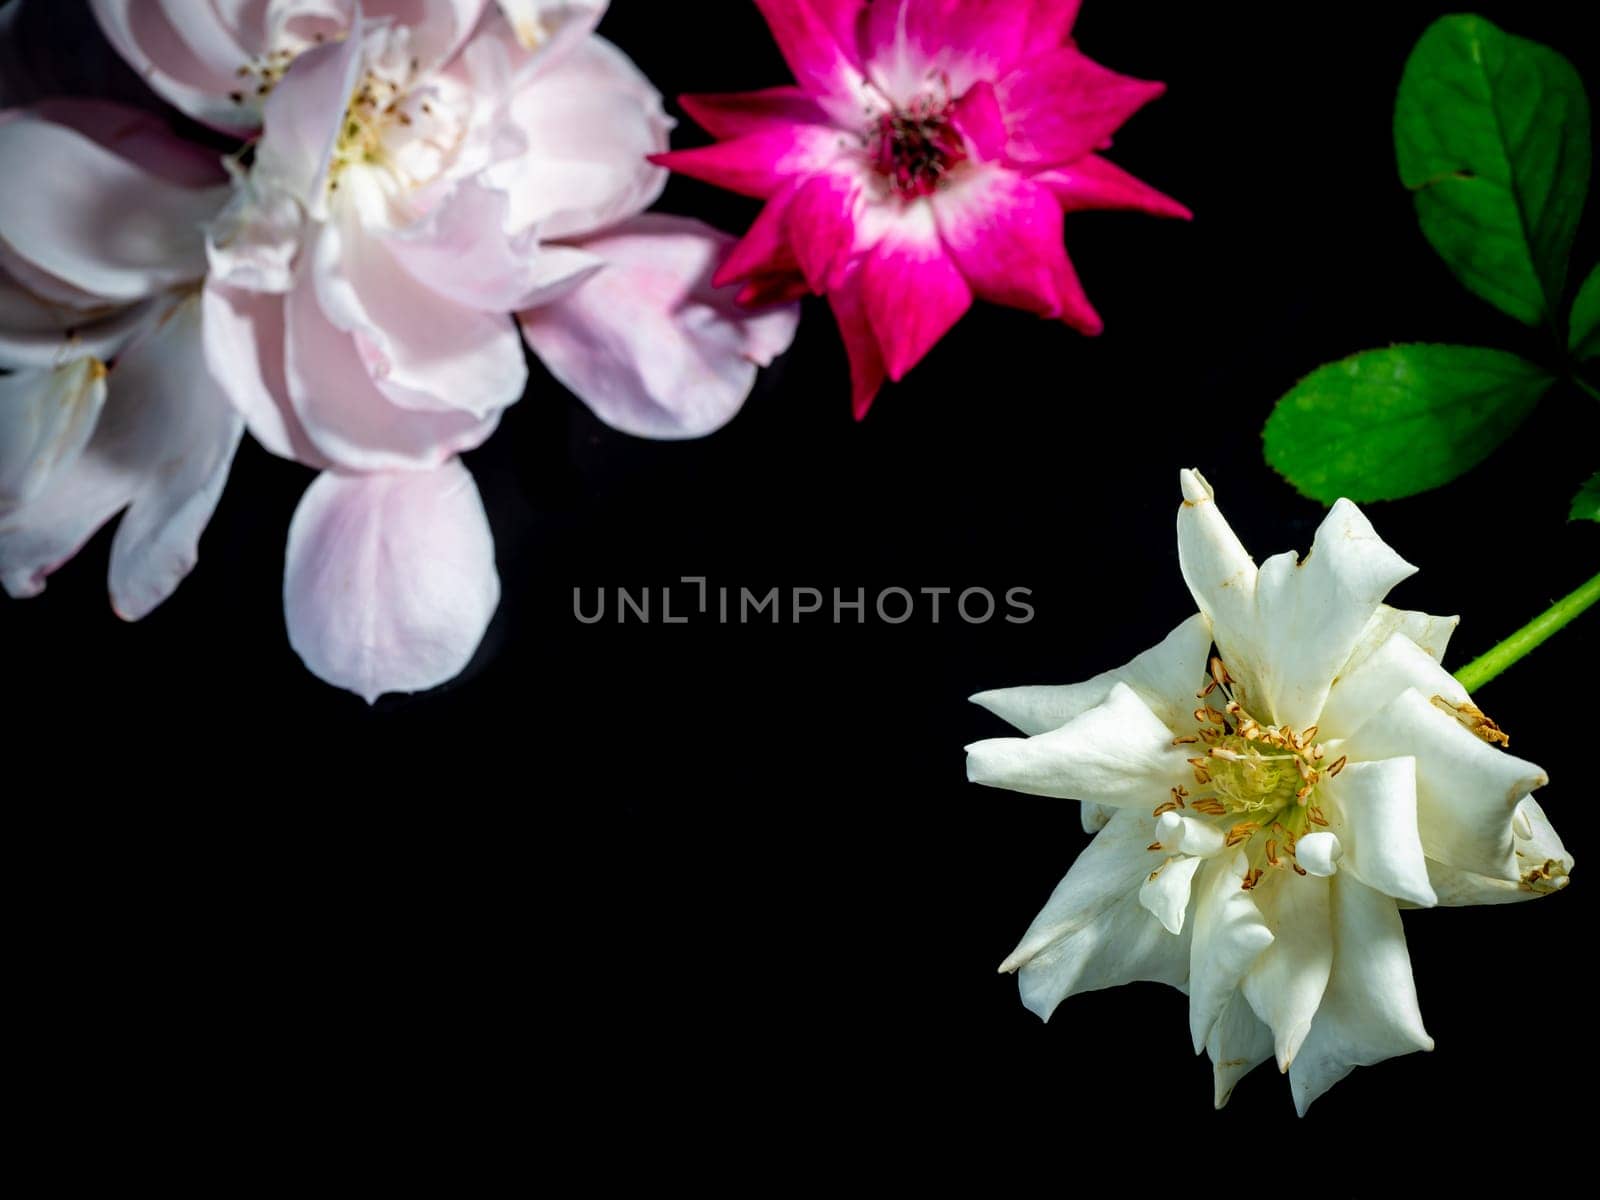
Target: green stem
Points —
{"points": [[1586, 385], [1489, 664]]}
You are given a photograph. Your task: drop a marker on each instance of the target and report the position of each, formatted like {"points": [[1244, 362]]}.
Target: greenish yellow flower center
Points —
{"points": [[1261, 779]]}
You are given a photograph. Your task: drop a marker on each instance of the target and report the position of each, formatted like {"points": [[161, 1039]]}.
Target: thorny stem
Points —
{"points": [[1489, 664]]}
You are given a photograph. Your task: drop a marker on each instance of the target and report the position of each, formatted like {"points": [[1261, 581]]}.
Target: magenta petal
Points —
{"points": [[1051, 23], [757, 164], [735, 114], [867, 371], [909, 43], [843, 19], [913, 295], [822, 227], [389, 582], [1064, 105], [1076, 311], [1004, 233], [977, 115], [820, 64], [1092, 182], [764, 249]]}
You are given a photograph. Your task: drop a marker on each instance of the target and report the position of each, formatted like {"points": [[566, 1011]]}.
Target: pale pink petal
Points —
{"points": [[92, 219], [648, 343], [867, 371], [346, 417], [301, 122], [422, 350], [187, 434], [144, 140], [1064, 105], [461, 250], [1092, 182], [546, 26], [735, 114], [390, 580], [188, 56], [46, 417], [821, 225], [914, 294], [255, 239], [819, 62], [37, 333], [592, 122], [162, 449], [244, 341], [437, 27]]}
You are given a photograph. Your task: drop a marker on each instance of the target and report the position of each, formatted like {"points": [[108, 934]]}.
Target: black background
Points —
{"points": [[708, 884]]}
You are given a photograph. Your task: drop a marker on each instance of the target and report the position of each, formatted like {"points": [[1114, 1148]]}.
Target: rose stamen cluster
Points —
{"points": [[914, 149], [1268, 774]]}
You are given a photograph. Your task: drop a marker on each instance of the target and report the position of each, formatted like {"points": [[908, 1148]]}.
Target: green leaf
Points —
{"points": [[1583, 330], [1586, 504], [1390, 423], [1492, 135]]}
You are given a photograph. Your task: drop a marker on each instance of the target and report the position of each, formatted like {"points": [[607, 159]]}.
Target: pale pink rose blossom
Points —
{"points": [[411, 188], [101, 255]]}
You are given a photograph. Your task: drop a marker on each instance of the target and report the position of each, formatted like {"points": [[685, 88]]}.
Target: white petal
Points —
{"points": [[1229, 935], [390, 580], [647, 342], [1165, 677], [1125, 944], [1286, 983], [1118, 753], [1186, 835], [1430, 632], [1165, 892], [1544, 861], [92, 218], [1369, 1011], [1319, 853], [1466, 789], [1287, 629], [1093, 817], [1378, 678], [1111, 867], [1377, 804], [46, 418], [1238, 1044]]}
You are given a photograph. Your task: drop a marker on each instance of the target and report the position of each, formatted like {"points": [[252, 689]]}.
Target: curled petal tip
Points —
{"points": [[1194, 485]]}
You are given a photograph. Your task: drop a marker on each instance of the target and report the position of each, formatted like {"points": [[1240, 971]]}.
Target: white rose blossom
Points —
{"points": [[1261, 815]]}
